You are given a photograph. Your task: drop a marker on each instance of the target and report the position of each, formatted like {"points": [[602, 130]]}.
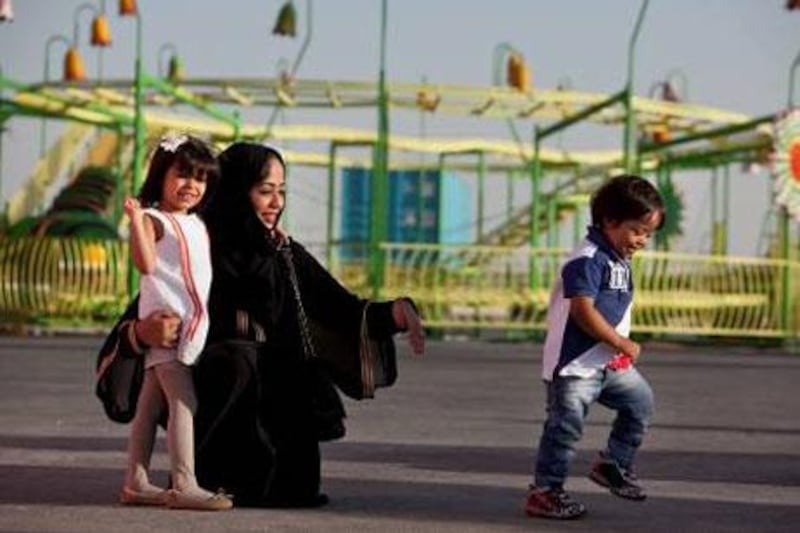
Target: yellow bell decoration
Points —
{"points": [[428, 101], [101, 32], [518, 76], [73, 66], [127, 7], [287, 21], [175, 70]]}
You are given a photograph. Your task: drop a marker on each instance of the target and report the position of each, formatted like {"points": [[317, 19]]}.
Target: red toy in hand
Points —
{"points": [[621, 361]]}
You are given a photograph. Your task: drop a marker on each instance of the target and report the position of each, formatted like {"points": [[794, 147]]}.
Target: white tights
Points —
{"points": [[165, 385]]}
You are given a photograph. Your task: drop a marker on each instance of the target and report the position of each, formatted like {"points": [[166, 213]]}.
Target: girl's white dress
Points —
{"points": [[181, 282]]}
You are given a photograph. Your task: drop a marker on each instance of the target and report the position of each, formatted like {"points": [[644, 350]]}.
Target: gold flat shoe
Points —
{"points": [[128, 496], [179, 500]]}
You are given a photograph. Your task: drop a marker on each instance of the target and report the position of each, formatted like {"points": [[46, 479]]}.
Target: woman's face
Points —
{"points": [[268, 196]]}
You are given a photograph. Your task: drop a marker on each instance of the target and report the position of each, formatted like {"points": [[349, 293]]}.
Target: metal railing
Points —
{"points": [[78, 282]]}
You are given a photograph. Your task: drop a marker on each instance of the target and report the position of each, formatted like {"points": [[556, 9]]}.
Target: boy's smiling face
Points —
{"points": [[629, 236]]}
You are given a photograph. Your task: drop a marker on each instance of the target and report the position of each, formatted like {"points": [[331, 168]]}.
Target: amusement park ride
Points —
{"points": [[68, 266]]}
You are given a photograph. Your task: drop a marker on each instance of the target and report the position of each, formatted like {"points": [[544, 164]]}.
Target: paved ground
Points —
{"points": [[447, 449]]}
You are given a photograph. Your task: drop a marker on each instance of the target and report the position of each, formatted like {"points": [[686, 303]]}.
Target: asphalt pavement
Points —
{"points": [[448, 448]]}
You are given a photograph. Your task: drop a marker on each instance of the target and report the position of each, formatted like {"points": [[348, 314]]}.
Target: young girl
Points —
{"points": [[170, 248]]}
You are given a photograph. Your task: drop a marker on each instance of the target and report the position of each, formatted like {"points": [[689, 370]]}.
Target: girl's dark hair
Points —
{"points": [[192, 157], [626, 197], [230, 212]]}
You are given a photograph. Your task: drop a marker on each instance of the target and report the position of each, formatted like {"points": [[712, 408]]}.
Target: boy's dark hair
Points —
{"points": [[626, 197], [191, 155]]}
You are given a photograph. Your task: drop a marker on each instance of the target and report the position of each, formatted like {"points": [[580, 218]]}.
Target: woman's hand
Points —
{"points": [[406, 318], [159, 329], [280, 235]]}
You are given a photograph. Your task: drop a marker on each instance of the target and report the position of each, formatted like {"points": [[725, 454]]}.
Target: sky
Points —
{"points": [[734, 55]]}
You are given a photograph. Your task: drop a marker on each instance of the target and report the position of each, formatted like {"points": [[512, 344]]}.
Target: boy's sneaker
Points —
{"points": [[553, 503], [623, 483]]}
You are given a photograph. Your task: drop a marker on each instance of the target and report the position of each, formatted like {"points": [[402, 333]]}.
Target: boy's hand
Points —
{"points": [[631, 348], [131, 206]]}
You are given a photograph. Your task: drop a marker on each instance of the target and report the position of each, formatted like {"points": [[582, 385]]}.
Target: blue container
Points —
{"points": [[424, 206]]}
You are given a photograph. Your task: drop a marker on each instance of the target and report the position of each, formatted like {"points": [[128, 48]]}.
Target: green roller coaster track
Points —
{"points": [[499, 282]]}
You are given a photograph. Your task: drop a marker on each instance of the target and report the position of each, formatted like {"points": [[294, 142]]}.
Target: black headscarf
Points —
{"points": [[230, 215]]}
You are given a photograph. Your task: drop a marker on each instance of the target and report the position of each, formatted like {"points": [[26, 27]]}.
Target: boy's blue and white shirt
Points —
{"points": [[595, 270]]}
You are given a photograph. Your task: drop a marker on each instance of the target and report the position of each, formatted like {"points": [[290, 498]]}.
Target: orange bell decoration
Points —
{"points": [[101, 32], [127, 7], [73, 66], [517, 74], [661, 134]]}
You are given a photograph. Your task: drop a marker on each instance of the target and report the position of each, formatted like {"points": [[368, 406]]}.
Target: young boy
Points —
{"points": [[588, 356]]}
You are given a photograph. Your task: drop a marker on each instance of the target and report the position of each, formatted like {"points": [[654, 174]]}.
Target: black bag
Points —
{"points": [[119, 376], [327, 409]]}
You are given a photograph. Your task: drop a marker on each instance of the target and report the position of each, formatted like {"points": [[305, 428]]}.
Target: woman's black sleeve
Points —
{"points": [[328, 302]]}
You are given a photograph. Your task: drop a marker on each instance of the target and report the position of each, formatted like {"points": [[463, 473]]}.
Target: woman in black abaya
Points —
{"points": [[283, 331]]}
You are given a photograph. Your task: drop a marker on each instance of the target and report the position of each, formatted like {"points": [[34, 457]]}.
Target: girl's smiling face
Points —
{"points": [[183, 190]]}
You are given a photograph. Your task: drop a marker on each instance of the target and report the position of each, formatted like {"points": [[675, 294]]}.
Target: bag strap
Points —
{"points": [[365, 353], [302, 318], [366, 358]]}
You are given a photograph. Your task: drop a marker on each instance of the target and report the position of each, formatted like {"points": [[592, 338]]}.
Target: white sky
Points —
{"points": [[735, 54]]}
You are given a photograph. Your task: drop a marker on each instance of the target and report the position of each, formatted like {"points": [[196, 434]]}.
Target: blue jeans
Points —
{"points": [[568, 401]]}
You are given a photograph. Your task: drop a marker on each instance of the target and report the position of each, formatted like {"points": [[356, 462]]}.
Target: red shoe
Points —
{"points": [[553, 503]]}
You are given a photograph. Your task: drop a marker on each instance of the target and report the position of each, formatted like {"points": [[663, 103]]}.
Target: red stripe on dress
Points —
{"points": [[188, 278]]}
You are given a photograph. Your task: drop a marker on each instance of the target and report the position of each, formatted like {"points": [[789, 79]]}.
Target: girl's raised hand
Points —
{"points": [[131, 205]]}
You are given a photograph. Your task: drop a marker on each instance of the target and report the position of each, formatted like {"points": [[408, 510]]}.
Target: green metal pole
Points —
{"points": [[795, 64], [440, 198], [331, 193], [419, 207], [3, 203], [551, 213], [481, 193], [714, 213], [533, 238], [577, 227], [629, 113], [119, 173], [380, 171], [3, 119], [510, 175], [786, 298], [726, 207], [139, 140], [667, 177]]}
